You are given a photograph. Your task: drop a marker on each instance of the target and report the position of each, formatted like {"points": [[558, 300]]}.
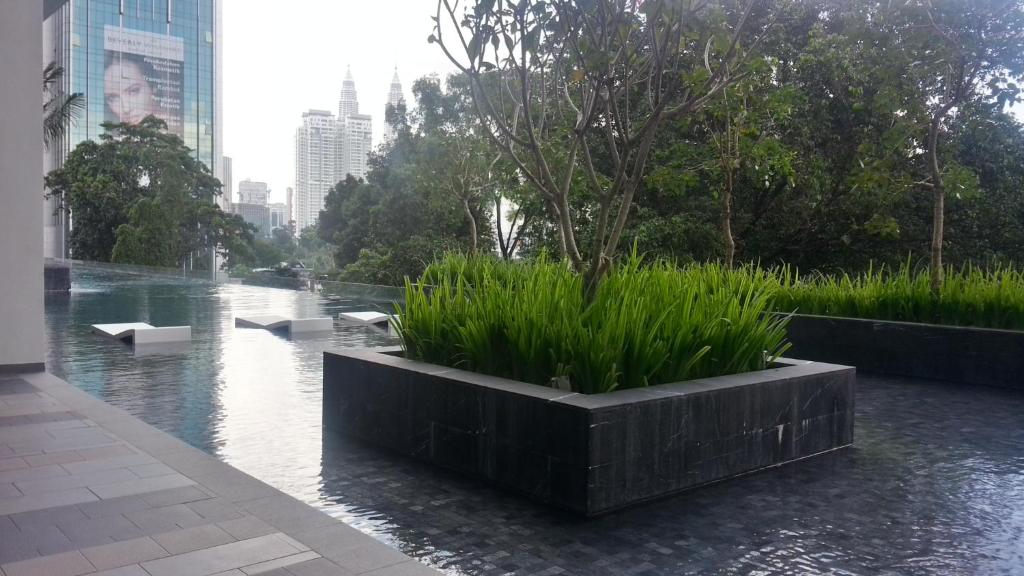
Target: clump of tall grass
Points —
{"points": [[970, 296], [645, 325]]}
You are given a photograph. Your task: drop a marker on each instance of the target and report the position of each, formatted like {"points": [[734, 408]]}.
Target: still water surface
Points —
{"points": [[933, 485], [250, 397]]}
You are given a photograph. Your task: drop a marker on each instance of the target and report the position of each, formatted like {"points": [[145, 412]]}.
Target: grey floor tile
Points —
{"points": [[114, 506], [409, 568], [318, 567], [88, 530], [216, 509], [124, 553], [15, 463], [247, 527], [196, 538], [279, 563], [221, 558], [371, 555], [180, 495], [133, 570], [48, 500], [64, 564], [57, 483], [140, 486], [94, 464], [47, 517], [165, 518]]}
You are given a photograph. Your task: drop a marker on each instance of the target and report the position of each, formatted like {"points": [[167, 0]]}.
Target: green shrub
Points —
{"points": [[646, 325], [970, 296]]}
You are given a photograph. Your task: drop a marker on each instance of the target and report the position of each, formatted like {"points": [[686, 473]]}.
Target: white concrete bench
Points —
{"points": [[291, 325], [142, 333], [374, 318]]}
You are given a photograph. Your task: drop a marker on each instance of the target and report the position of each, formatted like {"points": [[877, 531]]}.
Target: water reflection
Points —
{"points": [[935, 484], [250, 397]]}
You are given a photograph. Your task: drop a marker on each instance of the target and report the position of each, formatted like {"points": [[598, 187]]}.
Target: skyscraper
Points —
{"points": [[315, 165], [227, 196], [290, 202], [355, 132], [395, 99], [278, 215], [132, 59], [250, 192], [348, 102]]}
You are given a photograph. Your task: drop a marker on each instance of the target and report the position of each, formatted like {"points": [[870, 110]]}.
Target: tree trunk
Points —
{"points": [[472, 226], [730, 243], [938, 198], [498, 227]]}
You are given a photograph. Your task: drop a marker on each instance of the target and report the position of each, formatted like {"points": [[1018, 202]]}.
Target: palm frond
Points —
{"points": [[58, 113]]}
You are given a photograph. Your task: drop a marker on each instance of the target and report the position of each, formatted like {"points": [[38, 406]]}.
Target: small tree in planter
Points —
{"points": [[561, 84]]}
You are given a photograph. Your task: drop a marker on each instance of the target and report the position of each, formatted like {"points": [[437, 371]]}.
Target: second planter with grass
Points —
{"points": [[664, 380]]}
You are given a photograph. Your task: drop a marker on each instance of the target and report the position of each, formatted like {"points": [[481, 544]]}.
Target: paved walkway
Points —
{"points": [[85, 488]]}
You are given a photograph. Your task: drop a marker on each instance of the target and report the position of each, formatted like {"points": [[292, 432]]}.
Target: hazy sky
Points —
{"points": [[283, 58]]}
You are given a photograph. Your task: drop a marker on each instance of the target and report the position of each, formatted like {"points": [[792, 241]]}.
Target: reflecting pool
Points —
{"points": [[934, 484]]}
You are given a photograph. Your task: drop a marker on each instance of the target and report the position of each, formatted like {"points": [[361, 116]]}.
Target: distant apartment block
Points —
{"points": [[256, 214], [250, 192], [316, 159], [278, 215]]}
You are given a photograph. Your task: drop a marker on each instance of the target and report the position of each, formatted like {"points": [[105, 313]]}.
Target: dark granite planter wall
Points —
{"points": [[589, 454], [958, 354]]}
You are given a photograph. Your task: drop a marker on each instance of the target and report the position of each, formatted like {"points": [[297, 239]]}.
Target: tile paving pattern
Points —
{"points": [[77, 498], [933, 486]]}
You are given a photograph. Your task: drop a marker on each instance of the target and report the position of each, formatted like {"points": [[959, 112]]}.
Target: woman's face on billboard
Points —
{"points": [[127, 92]]}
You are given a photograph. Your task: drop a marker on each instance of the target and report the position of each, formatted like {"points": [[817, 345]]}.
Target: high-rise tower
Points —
{"points": [[130, 60], [348, 103], [315, 165], [355, 132], [395, 99]]}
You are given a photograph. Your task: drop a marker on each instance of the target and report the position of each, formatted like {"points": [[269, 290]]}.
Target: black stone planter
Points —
{"points": [[589, 453], [954, 353]]}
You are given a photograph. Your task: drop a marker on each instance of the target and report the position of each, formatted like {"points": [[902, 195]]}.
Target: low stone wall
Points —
{"points": [[953, 353], [590, 454]]}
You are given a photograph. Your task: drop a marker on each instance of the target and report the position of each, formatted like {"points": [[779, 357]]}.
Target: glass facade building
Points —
{"points": [[133, 58]]}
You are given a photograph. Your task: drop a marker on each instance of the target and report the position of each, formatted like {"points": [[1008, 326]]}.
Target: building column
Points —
{"points": [[21, 185]]}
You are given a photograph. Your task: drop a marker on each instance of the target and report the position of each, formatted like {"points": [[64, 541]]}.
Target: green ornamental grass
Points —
{"points": [[647, 324], [970, 296]]}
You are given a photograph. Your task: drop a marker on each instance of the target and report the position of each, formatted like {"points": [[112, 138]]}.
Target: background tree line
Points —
{"points": [[139, 196], [835, 134]]}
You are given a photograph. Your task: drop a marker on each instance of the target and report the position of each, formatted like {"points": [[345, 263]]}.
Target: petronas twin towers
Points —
{"points": [[328, 148]]}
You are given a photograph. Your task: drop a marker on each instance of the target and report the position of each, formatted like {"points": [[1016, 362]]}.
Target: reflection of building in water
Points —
{"points": [[315, 165], [131, 59]]}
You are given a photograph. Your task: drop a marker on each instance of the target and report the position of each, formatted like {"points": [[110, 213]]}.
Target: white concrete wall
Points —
{"points": [[21, 182]]}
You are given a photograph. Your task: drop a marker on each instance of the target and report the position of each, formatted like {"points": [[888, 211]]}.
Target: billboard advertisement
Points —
{"points": [[143, 75]]}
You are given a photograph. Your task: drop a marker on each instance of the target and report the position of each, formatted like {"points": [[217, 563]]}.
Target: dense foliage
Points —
{"points": [[845, 126], [139, 196], [432, 189], [645, 325], [971, 297]]}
